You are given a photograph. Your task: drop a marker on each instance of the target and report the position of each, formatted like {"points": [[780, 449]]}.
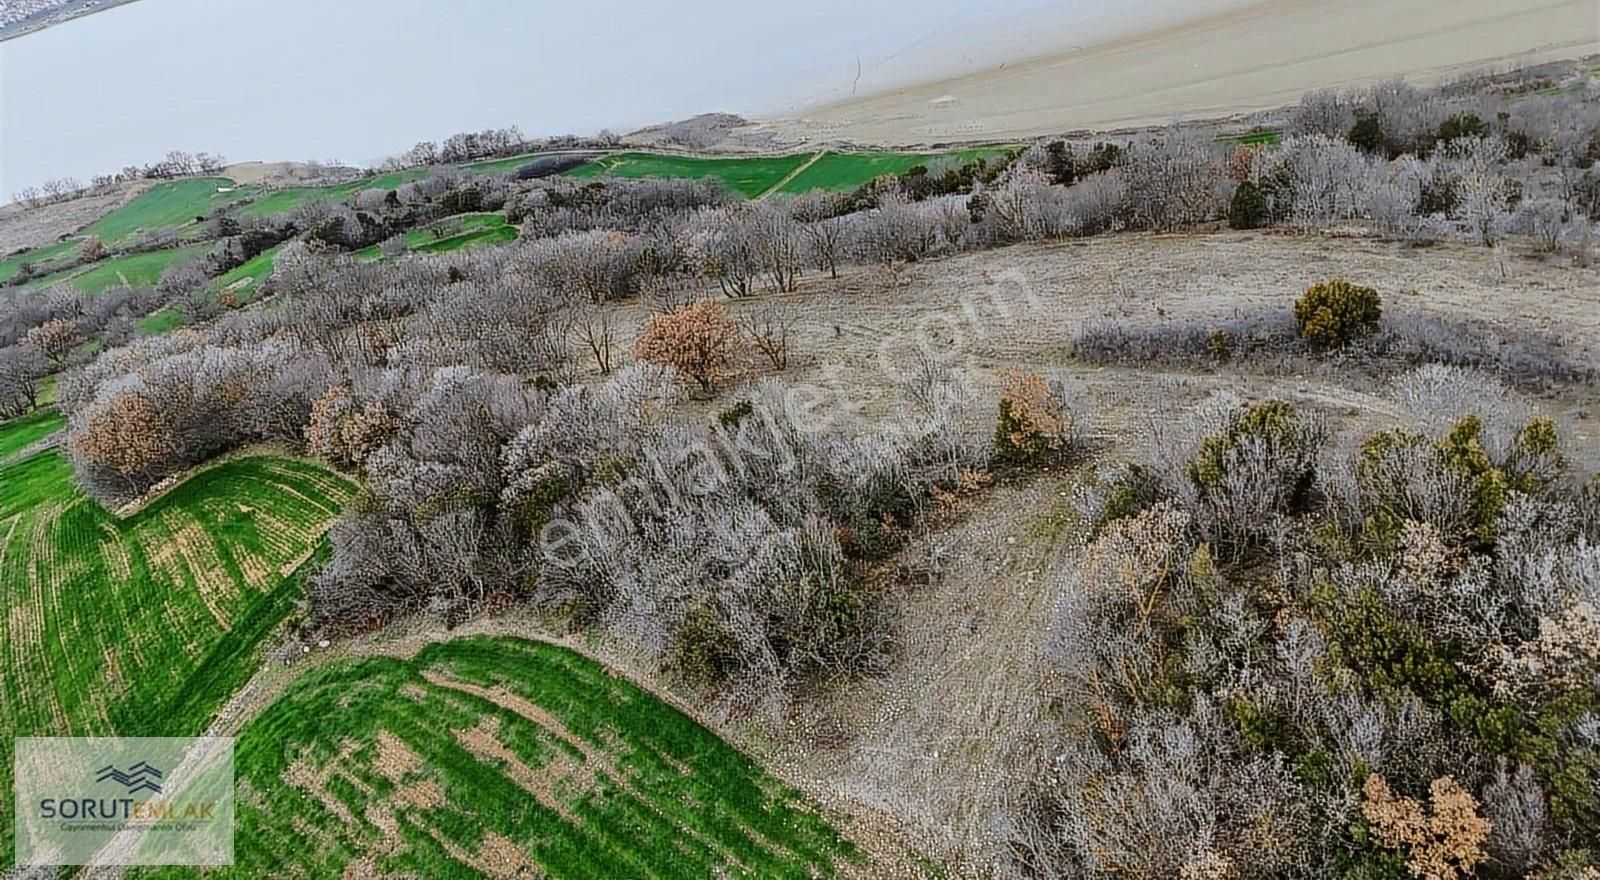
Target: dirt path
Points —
{"points": [[778, 187]]}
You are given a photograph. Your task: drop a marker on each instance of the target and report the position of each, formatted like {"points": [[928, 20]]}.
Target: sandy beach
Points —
{"points": [[1252, 58]]}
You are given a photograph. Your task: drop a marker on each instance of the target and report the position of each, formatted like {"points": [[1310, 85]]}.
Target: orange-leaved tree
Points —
{"points": [[698, 339]]}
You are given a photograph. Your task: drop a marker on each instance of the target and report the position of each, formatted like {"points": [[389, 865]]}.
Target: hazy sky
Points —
{"points": [[356, 80]]}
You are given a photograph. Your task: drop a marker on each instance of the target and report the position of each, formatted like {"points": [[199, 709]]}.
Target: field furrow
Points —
{"points": [[498, 757], [144, 626]]}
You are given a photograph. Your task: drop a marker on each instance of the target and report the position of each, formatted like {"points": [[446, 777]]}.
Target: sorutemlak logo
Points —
{"points": [[124, 801]]}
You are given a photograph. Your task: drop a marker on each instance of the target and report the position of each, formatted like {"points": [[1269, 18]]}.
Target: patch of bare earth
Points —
{"points": [[552, 785], [946, 739], [24, 228], [501, 858]]}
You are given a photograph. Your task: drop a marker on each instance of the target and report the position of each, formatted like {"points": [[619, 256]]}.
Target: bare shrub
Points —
{"points": [[595, 327], [767, 329]]}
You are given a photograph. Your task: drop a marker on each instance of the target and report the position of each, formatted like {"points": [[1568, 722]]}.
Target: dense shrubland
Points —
{"points": [[1283, 657]]}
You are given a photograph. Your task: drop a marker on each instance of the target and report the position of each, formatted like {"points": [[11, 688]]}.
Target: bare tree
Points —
{"points": [[595, 327], [768, 327]]}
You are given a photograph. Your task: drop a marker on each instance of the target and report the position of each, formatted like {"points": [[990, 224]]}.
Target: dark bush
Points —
{"points": [[1335, 313], [1248, 210], [1367, 133], [1462, 125]]}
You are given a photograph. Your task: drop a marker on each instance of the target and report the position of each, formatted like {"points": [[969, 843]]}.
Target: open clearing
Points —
{"points": [[144, 625], [749, 175], [22, 432], [244, 280], [287, 199], [137, 270], [502, 757], [452, 233], [842, 172], [165, 206], [42, 259]]}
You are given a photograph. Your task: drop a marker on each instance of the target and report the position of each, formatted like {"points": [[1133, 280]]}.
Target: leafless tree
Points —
{"points": [[768, 327], [595, 327]]}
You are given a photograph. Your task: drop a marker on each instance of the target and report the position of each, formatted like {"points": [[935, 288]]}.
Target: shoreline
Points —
{"points": [[60, 15], [1245, 60]]}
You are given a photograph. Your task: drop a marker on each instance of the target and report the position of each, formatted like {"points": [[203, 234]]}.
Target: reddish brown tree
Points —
{"points": [[699, 340]]}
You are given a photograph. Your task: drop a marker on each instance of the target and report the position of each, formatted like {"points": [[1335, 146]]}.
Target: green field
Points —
{"points": [[505, 752], [1255, 138], [280, 200], [750, 176], [168, 205], [137, 270], [24, 431], [289, 198], [163, 321], [41, 258], [245, 279], [842, 172], [144, 626], [490, 235], [451, 233], [500, 166]]}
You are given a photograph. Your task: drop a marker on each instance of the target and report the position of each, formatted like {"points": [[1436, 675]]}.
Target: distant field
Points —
{"points": [[20, 433], [245, 279], [135, 269], [144, 625], [1255, 138], [41, 258], [842, 172], [469, 229], [506, 758], [166, 205], [280, 200], [501, 166], [750, 176], [485, 235], [164, 321]]}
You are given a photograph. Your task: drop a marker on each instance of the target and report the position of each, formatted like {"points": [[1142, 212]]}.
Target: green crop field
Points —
{"points": [[244, 280], [842, 172], [1255, 138], [280, 200], [505, 757], [138, 270], [24, 431], [144, 626], [489, 235], [43, 259], [750, 176], [163, 321], [168, 205], [500, 166], [450, 234]]}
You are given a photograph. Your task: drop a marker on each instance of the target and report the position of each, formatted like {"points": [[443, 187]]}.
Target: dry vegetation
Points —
{"points": [[1017, 506]]}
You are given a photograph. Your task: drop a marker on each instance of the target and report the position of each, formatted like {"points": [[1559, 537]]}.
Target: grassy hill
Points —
{"points": [[143, 625], [749, 176], [166, 205], [138, 270]]}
